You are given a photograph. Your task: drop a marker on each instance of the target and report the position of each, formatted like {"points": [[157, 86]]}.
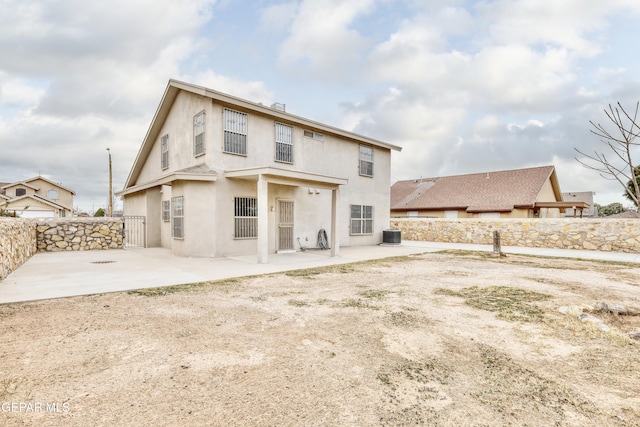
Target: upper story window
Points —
{"points": [[366, 160], [52, 194], [198, 134], [284, 143], [21, 192], [164, 152], [235, 132], [315, 135]]}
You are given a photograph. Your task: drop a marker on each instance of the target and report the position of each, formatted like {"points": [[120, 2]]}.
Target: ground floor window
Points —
{"points": [[177, 217], [245, 217], [166, 210], [361, 219]]}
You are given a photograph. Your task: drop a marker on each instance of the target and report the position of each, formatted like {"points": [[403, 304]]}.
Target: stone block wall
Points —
{"points": [[618, 235], [17, 243], [79, 234]]}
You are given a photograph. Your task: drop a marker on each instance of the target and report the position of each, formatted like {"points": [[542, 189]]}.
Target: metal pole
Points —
{"points": [[110, 186]]}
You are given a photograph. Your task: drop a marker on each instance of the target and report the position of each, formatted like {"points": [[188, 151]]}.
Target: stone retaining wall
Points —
{"points": [[79, 234], [618, 235], [17, 243]]}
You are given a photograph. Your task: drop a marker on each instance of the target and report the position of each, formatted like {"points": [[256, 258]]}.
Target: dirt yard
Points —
{"points": [[448, 339]]}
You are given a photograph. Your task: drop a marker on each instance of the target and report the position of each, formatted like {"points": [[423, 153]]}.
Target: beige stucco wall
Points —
{"points": [[619, 235], [17, 243], [31, 205], [65, 198], [211, 204]]}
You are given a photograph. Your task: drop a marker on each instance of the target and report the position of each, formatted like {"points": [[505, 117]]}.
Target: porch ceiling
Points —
{"points": [[287, 177]]}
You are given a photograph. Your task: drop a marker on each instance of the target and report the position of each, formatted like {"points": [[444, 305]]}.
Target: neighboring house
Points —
{"points": [[580, 196], [37, 197], [623, 215], [520, 193], [217, 176]]}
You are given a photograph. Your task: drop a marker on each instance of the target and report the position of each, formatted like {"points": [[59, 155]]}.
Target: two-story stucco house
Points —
{"points": [[221, 176], [37, 197]]}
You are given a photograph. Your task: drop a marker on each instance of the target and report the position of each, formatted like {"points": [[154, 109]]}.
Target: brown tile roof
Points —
{"points": [[480, 192]]}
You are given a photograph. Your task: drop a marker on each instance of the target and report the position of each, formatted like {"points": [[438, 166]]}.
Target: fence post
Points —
{"points": [[497, 246]]}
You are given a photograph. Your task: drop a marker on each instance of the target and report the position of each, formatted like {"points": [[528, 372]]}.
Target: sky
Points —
{"points": [[461, 86]]}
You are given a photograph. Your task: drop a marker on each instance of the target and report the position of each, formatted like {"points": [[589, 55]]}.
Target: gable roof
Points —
{"points": [[200, 172], [39, 199], [175, 86], [499, 191], [19, 183], [27, 182]]}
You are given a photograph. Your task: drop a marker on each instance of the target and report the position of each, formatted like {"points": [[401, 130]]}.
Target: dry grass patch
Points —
{"points": [[513, 304], [225, 284]]}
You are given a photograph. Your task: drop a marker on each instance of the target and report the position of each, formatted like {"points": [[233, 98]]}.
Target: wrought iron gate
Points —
{"points": [[135, 232]]}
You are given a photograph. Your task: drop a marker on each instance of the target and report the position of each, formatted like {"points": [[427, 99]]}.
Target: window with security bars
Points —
{"points": [[164, 152], [284, 143], [166, 210], [245, 217], [235, 132], [177, 217], [366, 160], [361, 219], [198, 134]]}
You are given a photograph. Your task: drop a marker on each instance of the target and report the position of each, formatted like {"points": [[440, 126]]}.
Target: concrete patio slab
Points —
{"points": [[63, 274]]}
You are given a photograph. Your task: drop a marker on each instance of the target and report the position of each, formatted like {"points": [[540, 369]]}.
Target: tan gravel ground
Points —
{"points": [[402, 341]]}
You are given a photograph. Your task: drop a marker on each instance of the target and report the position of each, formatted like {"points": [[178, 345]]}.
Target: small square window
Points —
{"points": [[21, 192], [315, 135]]}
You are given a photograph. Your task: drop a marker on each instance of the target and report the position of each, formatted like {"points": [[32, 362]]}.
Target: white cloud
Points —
{"points": [[276, 18], [254, 91], [566, 24], [321, 40], [18, 93]]}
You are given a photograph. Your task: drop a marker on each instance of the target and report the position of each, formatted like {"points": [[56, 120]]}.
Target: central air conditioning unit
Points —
{"points": [[391, 237]]}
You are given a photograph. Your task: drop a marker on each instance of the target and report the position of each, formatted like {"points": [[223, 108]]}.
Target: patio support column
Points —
{"points": [[263, 220], [335, 241]]}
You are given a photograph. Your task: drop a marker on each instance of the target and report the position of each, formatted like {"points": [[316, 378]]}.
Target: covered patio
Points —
{"points": [[264, 176]]}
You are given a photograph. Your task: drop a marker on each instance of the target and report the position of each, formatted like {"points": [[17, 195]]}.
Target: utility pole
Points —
{"points": [[110, 186]]}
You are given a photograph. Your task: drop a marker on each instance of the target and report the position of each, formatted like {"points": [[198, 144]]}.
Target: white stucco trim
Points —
{"points": [[167, 180], [287, 177]]}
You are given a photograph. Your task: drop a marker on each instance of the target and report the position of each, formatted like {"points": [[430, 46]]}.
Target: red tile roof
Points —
{"points": [[480, 192]]}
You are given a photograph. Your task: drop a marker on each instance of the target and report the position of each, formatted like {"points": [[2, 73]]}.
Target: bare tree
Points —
{"points": [[621, 166]]}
